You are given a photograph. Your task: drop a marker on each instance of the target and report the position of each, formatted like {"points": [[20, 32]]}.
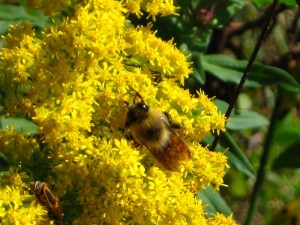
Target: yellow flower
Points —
{"points": [[16, 205], [72, 82], [220, 219], [154, 7], [17, 147]]}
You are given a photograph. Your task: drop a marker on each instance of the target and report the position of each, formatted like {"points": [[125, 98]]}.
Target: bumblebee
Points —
{"points": [[46, 197], [154, 129]]}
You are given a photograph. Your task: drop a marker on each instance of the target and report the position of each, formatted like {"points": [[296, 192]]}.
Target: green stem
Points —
{"points": [[238, 89], [263, 162]]}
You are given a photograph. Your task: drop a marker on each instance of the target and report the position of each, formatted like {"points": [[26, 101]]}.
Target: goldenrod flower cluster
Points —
{"points": [[17, 206], [72, 82]]}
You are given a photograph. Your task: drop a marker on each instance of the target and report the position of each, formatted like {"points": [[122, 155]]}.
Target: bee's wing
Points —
{"points": [[171, 152]]}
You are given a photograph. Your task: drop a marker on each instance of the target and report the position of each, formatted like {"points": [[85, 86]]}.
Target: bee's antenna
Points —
{"points": [[126, 103], [136, 94], [121, 101]]}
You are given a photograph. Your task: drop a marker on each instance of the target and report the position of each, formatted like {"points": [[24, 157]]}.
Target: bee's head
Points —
{"points": [[136, 113]]}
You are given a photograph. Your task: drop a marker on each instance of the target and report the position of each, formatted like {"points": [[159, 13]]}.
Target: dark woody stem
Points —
{"points": [[237, 91]]}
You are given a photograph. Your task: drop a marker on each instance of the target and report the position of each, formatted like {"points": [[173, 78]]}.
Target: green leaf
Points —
{"points": [[192, 44], [244, 119], [270, 75], [290, 158], [230, 70], [240, 165], [223, 11], [4, 25], [287, 130], [213, 202], [239, 188], [21, 125], [262, 3], [225, 61], [222, 105], [13, 14], [232, 6], [198, 72], [227, 69], [236, 156]]}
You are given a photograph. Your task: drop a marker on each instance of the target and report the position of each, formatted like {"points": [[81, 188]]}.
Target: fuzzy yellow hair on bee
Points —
{"points": [[154, 129]]}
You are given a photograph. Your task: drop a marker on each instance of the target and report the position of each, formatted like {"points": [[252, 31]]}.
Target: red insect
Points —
{"points": [[46, 197]]}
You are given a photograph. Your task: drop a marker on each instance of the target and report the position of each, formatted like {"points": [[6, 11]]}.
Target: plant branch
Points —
{"points": [[263, 162], [237, 91], [255, 23]]}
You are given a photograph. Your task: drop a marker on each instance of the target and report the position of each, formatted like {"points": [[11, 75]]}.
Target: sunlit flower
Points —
{"points": [[220, 219], [16, 205], [72, 82]]}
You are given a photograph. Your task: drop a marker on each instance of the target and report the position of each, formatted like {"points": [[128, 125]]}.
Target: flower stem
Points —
{"points": [[238, 89], [263, 162]]}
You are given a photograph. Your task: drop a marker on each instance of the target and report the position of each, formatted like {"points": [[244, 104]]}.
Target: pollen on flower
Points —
{"points": [[19, 205], [165, 7], [16, 146], [72, 82], [221, 219], [134, 7]]}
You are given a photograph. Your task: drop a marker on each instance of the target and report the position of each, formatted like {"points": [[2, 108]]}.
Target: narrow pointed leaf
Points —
{"points": [[236, 156], [230, 70], [290, 158], [244, 119], [19, 124], [213, 201]]}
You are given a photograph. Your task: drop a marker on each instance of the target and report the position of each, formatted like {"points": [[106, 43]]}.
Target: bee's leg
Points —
{"points": [[127, 134], [129, 137], [172, 124]]}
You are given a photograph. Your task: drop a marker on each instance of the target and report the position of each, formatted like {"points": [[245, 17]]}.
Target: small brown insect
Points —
{"points": [[153, 129], [46, 197]]}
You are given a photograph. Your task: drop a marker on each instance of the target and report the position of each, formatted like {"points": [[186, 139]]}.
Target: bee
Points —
{"points": [[46, 197], [154, 129]]}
